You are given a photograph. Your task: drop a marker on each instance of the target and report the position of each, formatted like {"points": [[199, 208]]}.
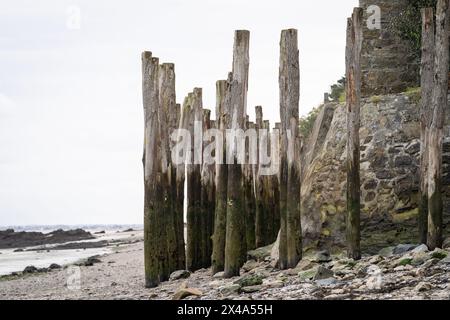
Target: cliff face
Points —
{"points": [[390, 150]]}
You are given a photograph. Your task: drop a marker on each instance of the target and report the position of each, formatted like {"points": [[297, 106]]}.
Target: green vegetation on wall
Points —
{"points": [[408, 25]]}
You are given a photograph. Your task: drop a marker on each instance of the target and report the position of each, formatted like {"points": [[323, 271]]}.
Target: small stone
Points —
{"points": [[376, 259], [305, 264], [420, 258], [423, 286], [446, 243], [274, 284], [180, 274], [250, 265], [386, 252], [18, 250], [183, 293], [323, 273], [229, 289], [251, 289], [219, 275], [420, 249], [322, 257], [114, 284], [250, 280], [307, 275], [404, 248], [330, 282], [445, 261]]}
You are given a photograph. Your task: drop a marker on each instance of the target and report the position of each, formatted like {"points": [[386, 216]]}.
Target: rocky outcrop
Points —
{"points": [[390, 148], [11, 239]]}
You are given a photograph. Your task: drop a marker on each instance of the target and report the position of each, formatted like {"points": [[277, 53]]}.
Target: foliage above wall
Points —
{"points": [[408, 24]]}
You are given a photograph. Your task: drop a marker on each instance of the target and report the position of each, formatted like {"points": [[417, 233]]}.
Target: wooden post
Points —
{"points": [[194, 209], [268, 196], [353, 92], [180, 181], [249, 195], [168, 119], [436, 132], [289, 81], [223, 101], [235, 235], [150, 161], [207, 201], [260, 214], [427, 65]]}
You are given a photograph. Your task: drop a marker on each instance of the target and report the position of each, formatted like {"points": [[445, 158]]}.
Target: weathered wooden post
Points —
{"points": [[194, 209], [152, 203], [223, 101], [235, 236], [289, 81], [436, 132], [260, 214], [168, 123], [353, 92], [180, 181], [427, 65], [207, 201], [249, 195]]}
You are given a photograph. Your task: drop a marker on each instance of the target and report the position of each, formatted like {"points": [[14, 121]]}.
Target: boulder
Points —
{"points": [[30, 269], [54, 266]]}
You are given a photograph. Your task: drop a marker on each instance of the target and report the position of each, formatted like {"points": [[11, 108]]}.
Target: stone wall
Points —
{"points": [[390, 149], [388, 63]]}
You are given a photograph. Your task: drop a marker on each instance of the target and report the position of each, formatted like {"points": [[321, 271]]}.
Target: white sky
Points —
{"points": [[71, 119]]}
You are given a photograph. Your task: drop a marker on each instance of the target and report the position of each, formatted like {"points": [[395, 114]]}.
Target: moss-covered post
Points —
{"points": [[153, 205], [353, 93], [207, 201], [168, 123], [427, 63], [194, 209], [436, 132], [289, 82], [249, 194], [235, 235], [180, 181], [260, 209], [223, 90]]}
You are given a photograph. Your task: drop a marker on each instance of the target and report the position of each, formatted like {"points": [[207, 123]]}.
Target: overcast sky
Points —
{"points": [[71, 119]]}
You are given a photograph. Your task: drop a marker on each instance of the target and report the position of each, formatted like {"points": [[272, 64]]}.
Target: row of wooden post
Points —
{"points": [[231, 208]]}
